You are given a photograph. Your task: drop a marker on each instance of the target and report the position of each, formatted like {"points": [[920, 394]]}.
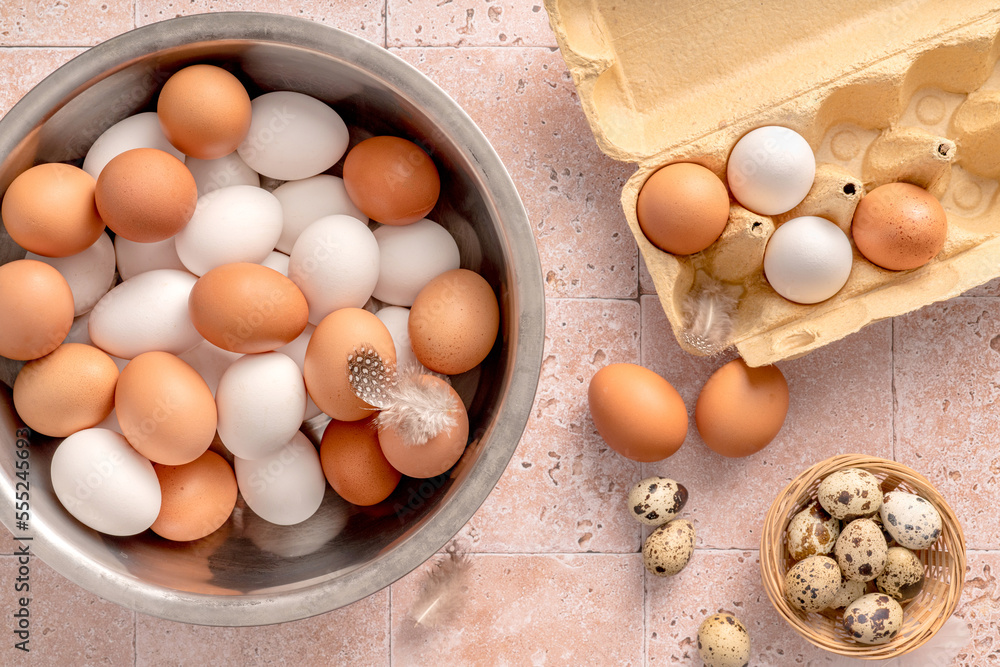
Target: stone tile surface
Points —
{"points": [[947, 360], [980, 609], [468, 23], [563, 489], [354, 635], [22, 68], [529, 609], [364, 18], [525, 103], [68, 625], [837, 405], [63, 23]]}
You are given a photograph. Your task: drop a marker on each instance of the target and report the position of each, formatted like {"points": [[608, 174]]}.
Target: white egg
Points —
{"points": [[104, 483], [240, 223], [277, 261], [221, 172], [296, 351], [397, 319], [139, 131], [285, 487], [210, 362], [335, 262], [135, 258], [293, 136], [808, 259], [771, 170], [262, 401], [89, 273], [409, 257], [145, 313], [306, 201]]}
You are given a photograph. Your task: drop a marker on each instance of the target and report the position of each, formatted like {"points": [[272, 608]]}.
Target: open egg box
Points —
{"points": [[883, 91]]}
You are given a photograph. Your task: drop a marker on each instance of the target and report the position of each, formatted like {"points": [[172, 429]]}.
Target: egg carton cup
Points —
{"points": [[944, 562], [882, 92]]}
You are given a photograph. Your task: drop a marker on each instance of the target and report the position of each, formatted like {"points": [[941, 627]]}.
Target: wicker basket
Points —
{"points": [[944, 562]]}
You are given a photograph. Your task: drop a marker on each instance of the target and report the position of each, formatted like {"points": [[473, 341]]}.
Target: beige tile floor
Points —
{"points": [[557, 577]]}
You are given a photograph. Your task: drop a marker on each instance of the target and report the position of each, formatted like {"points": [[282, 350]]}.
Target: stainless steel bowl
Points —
{"points": [[250, 572]]}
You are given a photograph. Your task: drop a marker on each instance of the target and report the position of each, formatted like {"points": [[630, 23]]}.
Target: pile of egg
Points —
{"points": [[236, 310], [683, 208], [854, 549]]}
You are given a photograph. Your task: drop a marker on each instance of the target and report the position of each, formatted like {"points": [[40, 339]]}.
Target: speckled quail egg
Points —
{"points": [[911, 520], [861, 550], [850, 590], [903, 577], [890, 541], [873, 619], [668, 548], [656, 500], [811, 584], [812, 532], [723, 641], [850, 494]]}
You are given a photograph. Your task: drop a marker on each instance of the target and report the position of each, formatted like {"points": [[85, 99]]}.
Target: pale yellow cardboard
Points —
{"points": [[883, 91]]}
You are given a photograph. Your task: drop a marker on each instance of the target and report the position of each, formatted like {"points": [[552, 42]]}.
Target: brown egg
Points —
{"points": [[741, 409], [354, 463], [325, 367], [37, 307], [146, 195], [68, 390], [899, 226], [196, 498], [438, 454], [638, 413], [204, 111], [683, 208], [454, 322], [392, 180], [165, 409], [247, 308], [50, 210]]}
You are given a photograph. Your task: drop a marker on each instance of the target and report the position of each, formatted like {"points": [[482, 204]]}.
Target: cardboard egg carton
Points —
{"points": [[883, 91]]}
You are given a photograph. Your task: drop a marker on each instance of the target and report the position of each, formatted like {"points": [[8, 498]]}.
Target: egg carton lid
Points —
{"points": [[654, 76]]}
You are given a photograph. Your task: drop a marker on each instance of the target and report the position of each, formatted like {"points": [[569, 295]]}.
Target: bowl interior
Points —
{"points": [[250, 571]]}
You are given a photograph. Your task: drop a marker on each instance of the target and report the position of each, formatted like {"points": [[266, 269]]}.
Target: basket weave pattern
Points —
{"points": [[944, 562]]}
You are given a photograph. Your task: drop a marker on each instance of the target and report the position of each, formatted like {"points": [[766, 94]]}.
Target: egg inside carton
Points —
{"points": [[882, 92]]}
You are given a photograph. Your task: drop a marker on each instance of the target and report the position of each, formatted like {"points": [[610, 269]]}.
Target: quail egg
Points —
{"points": [[873, 619], [861, 550], [911, 520], [850, 590], [668, 548], [903, 577], [812, 584], [812, 532], [890, 541], [850, 494], [723, 641], [656, 500]]}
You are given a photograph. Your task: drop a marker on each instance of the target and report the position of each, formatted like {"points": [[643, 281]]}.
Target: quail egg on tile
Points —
{"points": [[873, 619], [850, 494], [850, 590], [812, 584], [812, 532], [903, 577], [656, 500], [861, 550], [911, 520], [668, 548], [723, 641]]}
